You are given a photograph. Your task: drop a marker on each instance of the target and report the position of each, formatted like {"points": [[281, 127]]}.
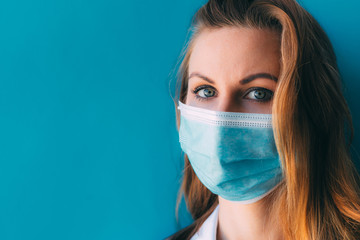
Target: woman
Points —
{"points": [[265, 127]]}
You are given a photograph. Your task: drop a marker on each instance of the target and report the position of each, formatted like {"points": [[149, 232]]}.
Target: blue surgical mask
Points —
{"points": [[233, 154]]}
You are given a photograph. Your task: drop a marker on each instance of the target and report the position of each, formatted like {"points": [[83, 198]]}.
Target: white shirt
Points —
{"points": [[208, 229]]}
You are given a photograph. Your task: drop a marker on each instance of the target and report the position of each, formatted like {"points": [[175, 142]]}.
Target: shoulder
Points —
{"points": [[207, 230], [183, 234]]}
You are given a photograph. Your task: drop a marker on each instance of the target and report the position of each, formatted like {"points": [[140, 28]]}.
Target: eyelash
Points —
{"points": [[197, 89]]}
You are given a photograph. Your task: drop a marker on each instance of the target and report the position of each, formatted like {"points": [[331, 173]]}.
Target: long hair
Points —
{"points": [[319, 197]]}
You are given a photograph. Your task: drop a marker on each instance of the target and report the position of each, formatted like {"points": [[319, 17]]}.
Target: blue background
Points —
{"points": [[88, 141]]}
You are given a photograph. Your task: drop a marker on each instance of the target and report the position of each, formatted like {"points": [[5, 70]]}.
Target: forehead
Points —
{"points": [[235, 50]]}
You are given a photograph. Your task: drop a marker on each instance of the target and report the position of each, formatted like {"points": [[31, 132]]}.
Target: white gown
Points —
{"points": [[208, 229]]}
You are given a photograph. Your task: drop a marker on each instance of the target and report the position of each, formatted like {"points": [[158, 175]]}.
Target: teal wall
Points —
{"points": [[88, 143]]}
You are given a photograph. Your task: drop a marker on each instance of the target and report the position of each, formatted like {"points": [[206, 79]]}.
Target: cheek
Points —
{"points": [[188, 96], [190, 99], [256, 107]]}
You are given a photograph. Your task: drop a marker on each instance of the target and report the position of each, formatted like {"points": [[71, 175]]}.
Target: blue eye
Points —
{"points": [[255, 94], [204, 92], [260, 94]]}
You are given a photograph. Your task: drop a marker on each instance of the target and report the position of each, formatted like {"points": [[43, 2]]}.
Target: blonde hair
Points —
{"points": [[319, 197]]}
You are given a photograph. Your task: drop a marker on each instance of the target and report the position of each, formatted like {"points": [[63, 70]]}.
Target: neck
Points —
{"points": [[246, 221]]}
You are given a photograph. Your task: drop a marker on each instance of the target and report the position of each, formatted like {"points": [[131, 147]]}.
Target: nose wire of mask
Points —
{"points": [[233, 154]]}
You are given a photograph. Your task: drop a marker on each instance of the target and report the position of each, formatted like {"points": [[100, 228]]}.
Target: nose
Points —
{"points": [[227, 104]]}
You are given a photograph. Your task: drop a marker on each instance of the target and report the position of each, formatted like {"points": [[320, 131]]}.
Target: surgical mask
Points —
{"points": [[233, 154]]}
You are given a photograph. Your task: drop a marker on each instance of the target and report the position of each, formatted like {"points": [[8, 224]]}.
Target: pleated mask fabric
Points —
{"points": [[233, 154]]}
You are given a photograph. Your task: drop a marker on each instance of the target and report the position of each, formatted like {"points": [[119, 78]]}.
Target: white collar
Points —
{"points": [[208, 229]]}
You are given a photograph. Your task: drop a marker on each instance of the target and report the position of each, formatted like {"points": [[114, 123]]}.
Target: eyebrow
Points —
{"points": [[242, 81]]}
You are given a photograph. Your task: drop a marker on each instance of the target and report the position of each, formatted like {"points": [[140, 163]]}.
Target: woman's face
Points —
{"points": [[234, 69]]}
